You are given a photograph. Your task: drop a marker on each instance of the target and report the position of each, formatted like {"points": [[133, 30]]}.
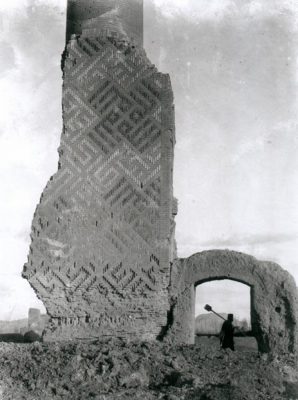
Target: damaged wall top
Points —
{"points": [[118, 15]]}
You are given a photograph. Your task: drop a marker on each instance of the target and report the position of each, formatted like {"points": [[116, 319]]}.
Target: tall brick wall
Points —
{"points": [[103, 233]]}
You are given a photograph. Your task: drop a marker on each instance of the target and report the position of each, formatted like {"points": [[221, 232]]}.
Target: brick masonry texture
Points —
{"points": [[274, 314], [103, 233]]}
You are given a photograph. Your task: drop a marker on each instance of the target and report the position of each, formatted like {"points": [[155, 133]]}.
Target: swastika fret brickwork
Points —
{"points": [[103, 233]]}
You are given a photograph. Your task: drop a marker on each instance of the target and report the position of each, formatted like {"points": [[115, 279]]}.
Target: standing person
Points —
{"points": [[226, 335]]}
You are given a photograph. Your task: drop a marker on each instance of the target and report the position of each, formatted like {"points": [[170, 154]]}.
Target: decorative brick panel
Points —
{"points": [[103, 233]]}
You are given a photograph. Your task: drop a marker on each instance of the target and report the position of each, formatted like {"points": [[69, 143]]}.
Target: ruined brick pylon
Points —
{"points": [[103, 232]]}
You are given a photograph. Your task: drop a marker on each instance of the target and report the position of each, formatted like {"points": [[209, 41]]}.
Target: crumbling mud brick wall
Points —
{"points": [[103, 233], [274, 314]]}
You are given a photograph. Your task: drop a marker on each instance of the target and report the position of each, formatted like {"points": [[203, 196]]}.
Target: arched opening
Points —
{"points": [[226, 296], [273, 295]]}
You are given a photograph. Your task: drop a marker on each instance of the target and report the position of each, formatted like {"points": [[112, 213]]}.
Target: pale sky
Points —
{"points": [[233, 66]]}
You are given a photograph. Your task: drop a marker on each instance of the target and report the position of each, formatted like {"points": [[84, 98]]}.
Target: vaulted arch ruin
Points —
{"points": [[273, 296]]}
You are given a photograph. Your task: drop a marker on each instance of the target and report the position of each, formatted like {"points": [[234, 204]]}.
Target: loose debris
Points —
{"points": [[111, 369]]}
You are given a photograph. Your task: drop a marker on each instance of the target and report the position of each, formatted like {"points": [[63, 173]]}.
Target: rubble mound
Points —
{"points": [[113, 369]]}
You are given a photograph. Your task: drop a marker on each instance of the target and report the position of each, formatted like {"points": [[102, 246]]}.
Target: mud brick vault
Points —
{"points": [[103, 232]]}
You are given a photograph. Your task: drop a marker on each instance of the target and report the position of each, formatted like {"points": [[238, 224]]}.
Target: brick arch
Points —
{"points": [[273, 296]]}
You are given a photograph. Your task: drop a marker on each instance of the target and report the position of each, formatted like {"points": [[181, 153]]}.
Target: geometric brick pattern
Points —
{"points": [[103, 233]]}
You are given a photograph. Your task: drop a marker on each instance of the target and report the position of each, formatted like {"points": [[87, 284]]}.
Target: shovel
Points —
{"points": [[209, 308]]}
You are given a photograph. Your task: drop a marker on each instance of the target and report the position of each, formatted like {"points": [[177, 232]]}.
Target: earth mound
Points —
{"points": [[112, 369]]}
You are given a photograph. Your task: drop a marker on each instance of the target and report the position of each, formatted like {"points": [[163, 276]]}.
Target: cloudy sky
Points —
{"points": [[233, 66]]}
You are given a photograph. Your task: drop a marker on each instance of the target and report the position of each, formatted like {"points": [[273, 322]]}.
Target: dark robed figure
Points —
{"points": [[227, 333]]}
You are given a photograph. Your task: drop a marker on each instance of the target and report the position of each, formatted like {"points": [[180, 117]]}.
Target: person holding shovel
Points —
{"points": [[226, 335]]}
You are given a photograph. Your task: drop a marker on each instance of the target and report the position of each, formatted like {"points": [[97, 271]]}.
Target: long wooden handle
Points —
{"points": [[218, 315]]}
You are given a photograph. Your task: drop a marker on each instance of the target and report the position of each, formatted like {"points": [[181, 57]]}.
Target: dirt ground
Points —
{"points": [[246, 343], [112, 369]]}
